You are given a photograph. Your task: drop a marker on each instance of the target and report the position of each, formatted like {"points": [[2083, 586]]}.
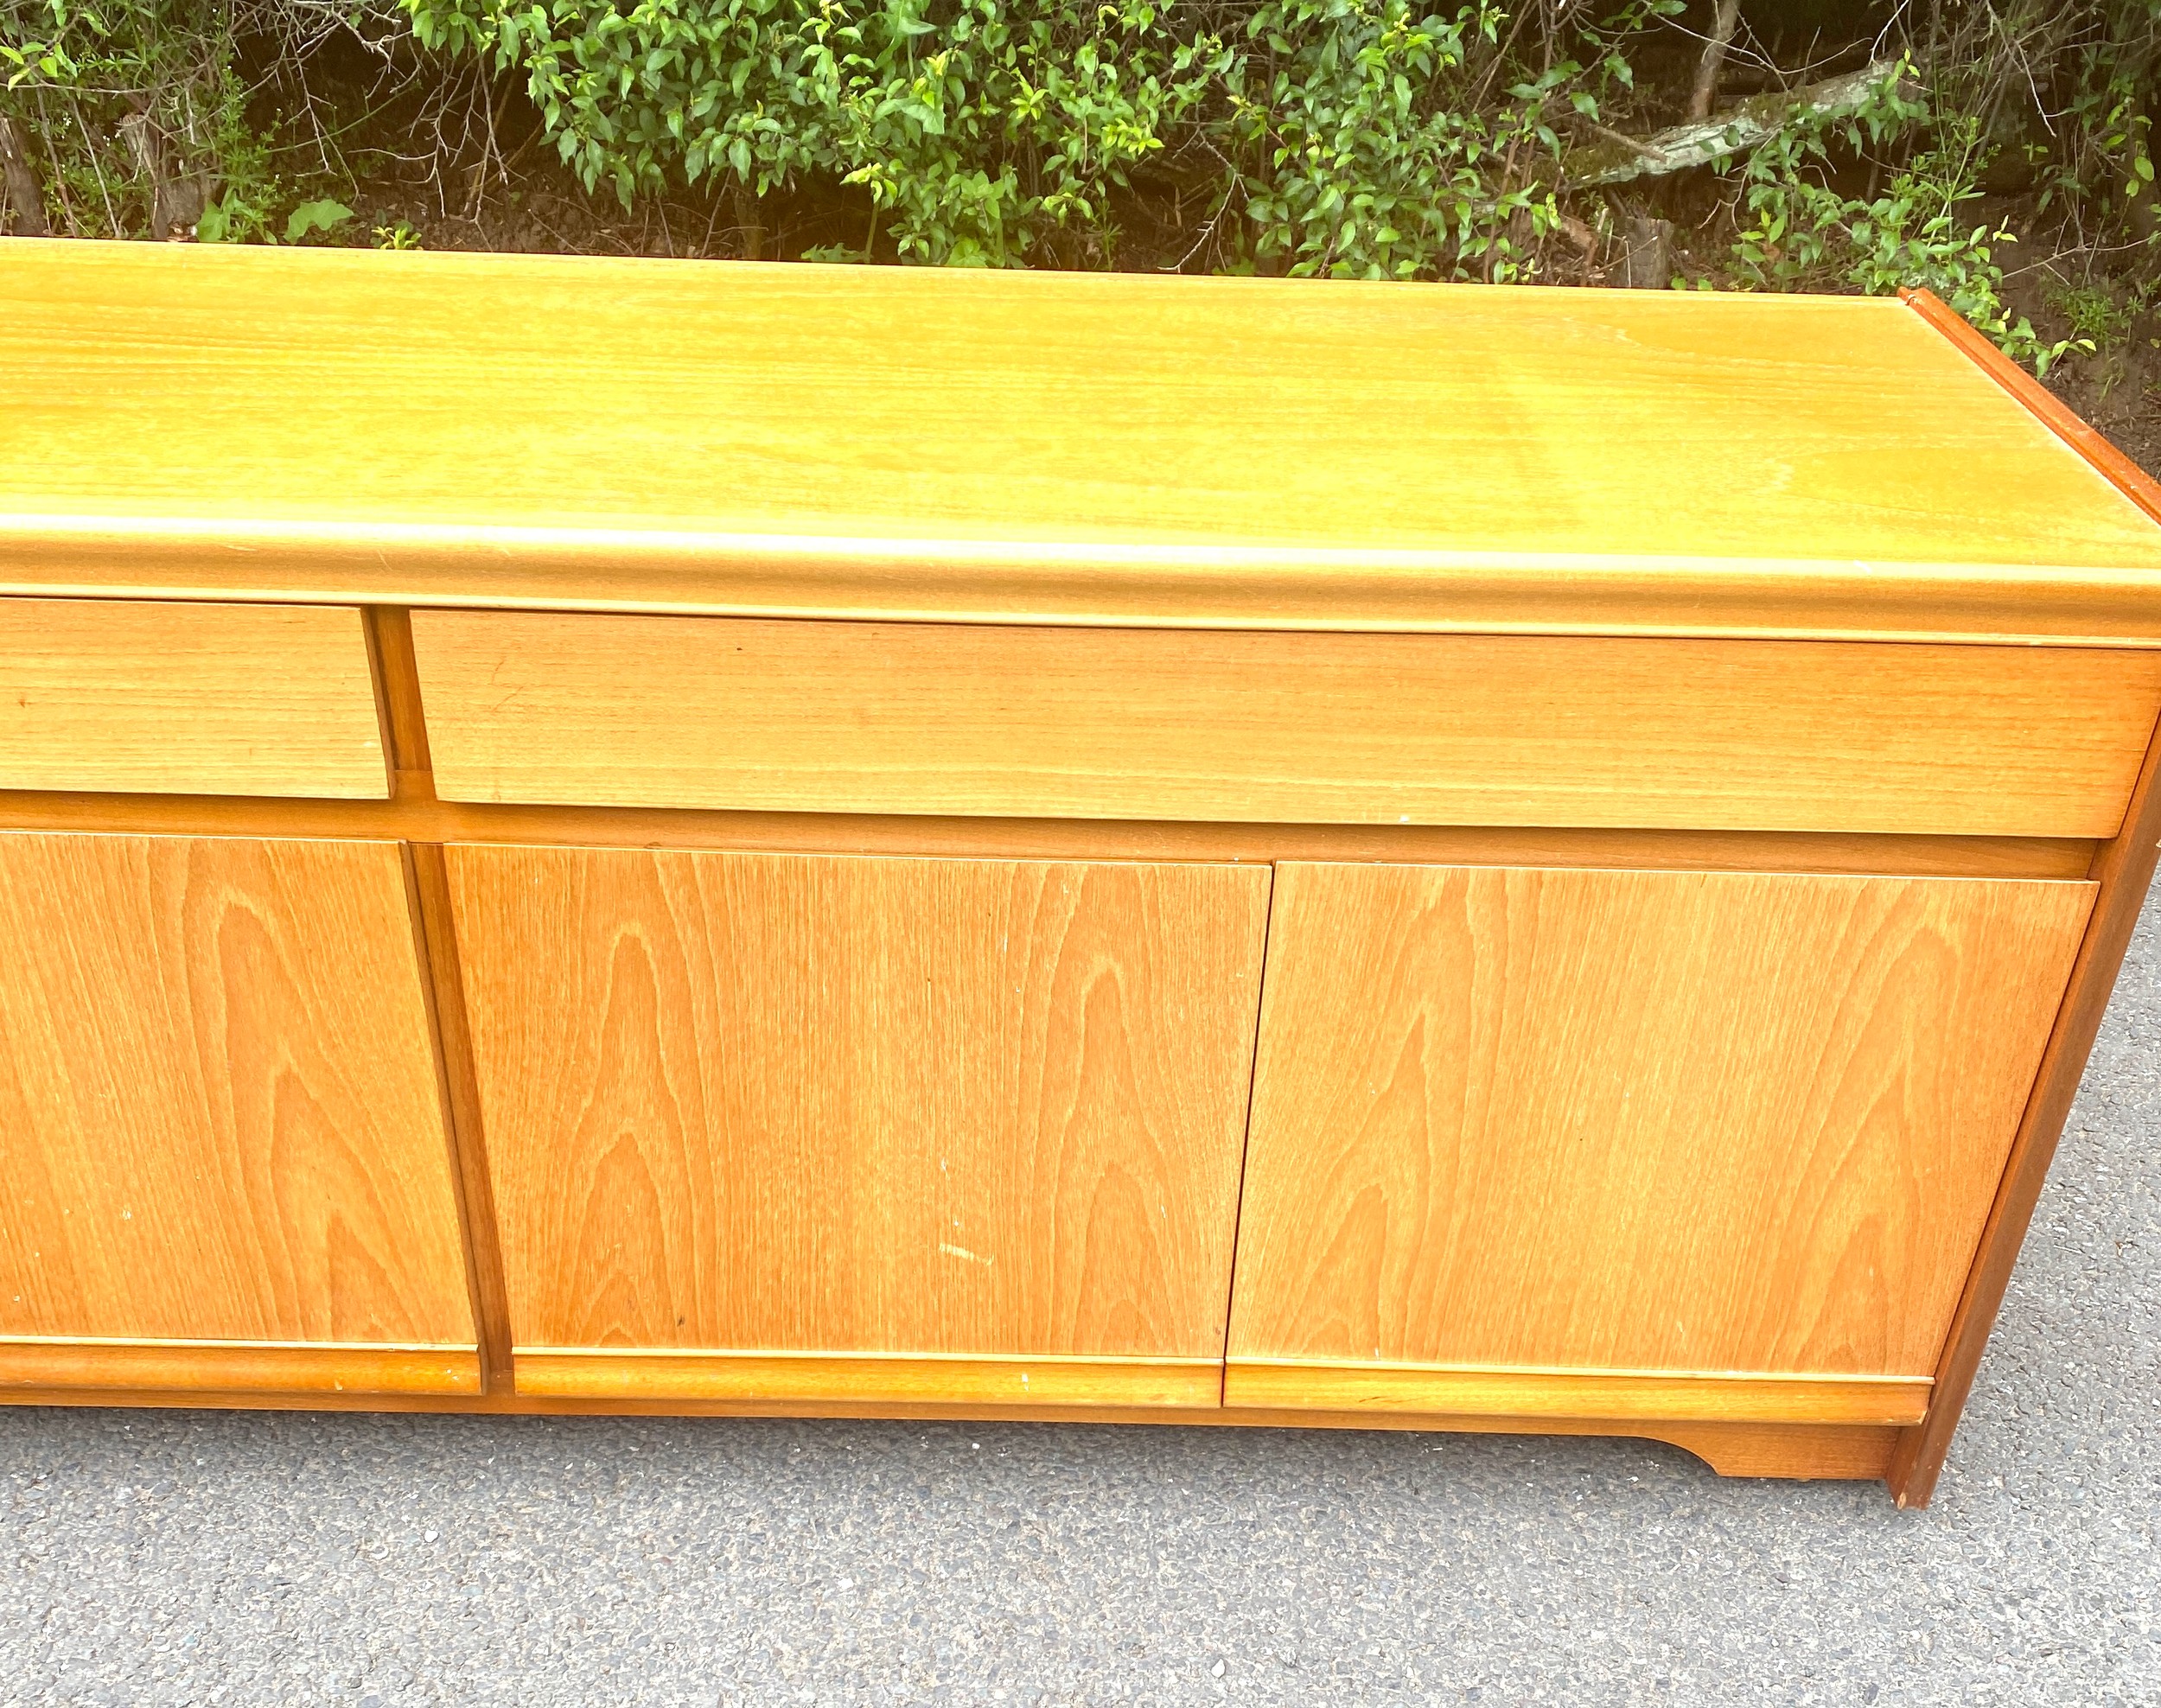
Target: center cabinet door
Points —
{"points": [[782, 1128], [1630, 1143]]}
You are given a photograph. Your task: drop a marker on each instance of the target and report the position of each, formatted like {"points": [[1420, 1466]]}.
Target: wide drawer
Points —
{"points": [[1268, 726], [170, 698]]}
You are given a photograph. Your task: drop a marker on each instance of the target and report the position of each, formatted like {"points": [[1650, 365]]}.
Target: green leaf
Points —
{"points": [[315, 216]]}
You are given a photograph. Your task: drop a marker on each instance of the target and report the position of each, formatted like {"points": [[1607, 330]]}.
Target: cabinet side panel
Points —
{"points": [[218, 1112], [758, 1102], [1635, 1121]]}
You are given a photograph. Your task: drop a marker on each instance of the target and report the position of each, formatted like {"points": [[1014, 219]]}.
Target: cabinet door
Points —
{"points": [[1630, 1143], [782, 1128], [223, 1162]]}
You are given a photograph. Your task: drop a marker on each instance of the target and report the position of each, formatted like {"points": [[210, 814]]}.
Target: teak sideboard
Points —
{"points": [[629, 836]]}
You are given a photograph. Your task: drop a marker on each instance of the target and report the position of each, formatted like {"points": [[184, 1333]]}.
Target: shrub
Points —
{"points": [[1343, 137], [141, 111]]}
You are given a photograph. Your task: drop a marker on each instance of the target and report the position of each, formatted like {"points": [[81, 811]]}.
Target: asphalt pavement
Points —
{"points": [[245, 1558]]}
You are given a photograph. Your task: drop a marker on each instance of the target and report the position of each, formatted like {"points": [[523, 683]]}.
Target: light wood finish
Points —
{"points": [[1042, 446], [748, 1102], [415, 815], [2110, 463], [194, 1366], [1638, 1121], [1368, 728], [1800, 1450], [2123, 870], [221, 1114], [187, 699], [1300, 1384], [781, 1377]]}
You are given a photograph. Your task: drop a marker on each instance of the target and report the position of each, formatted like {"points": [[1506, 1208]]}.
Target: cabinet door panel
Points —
{"points": [[1672, 1124], [221, 1120], [921, 1110]]}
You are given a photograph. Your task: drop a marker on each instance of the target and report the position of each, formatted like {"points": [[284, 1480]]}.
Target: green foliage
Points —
{"points": [[1800, 232], [315, 216], [2097, 158], [978, 128], [141, 118], [1370, 153], [1383, 139], [1353, 136], [124, 95], [2097, 315]]}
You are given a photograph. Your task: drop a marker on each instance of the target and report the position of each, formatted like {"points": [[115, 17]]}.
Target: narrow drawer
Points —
{"points": [[170, 697], [1312, 728]]}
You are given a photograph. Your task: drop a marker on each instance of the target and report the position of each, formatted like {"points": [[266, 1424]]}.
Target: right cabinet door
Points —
{"points": [[1628, 1144]]}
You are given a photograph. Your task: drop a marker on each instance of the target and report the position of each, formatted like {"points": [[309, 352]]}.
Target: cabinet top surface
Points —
{"points": [[308, 403]]}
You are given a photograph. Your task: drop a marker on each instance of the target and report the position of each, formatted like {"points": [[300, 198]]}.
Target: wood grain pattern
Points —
{"points": [[1319, 1385], [776, 1378], [1132, 724], [219, 1118], [1020, 407], [1640, 1121], [187, 698], [749, 1102], [193, 1368], [2110, 463], [2123, 870], [1043, 416], [1038, 442]]}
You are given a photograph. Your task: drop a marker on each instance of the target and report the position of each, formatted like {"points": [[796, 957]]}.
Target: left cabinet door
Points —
{"points": [[224, 1164]]}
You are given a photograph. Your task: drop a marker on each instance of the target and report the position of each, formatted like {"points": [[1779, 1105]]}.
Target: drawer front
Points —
{"points": [[223, 1161], [177, 698], [1275, 727], [775, 1127], [1630, 1143]]}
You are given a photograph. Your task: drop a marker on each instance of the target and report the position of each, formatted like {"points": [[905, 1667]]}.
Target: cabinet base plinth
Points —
{"points": [[1801, 1452]]}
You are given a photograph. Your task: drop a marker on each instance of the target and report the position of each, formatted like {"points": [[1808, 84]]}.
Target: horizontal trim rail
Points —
{"points": [[866, 1377], [415, 816], [314, 1368], [1242, 586], [1729, 1398]]}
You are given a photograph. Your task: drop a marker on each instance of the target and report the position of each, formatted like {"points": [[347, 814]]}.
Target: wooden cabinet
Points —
{"points": [[223, 1162], [1630, 1142], [954, 874], [803, 1127]]}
